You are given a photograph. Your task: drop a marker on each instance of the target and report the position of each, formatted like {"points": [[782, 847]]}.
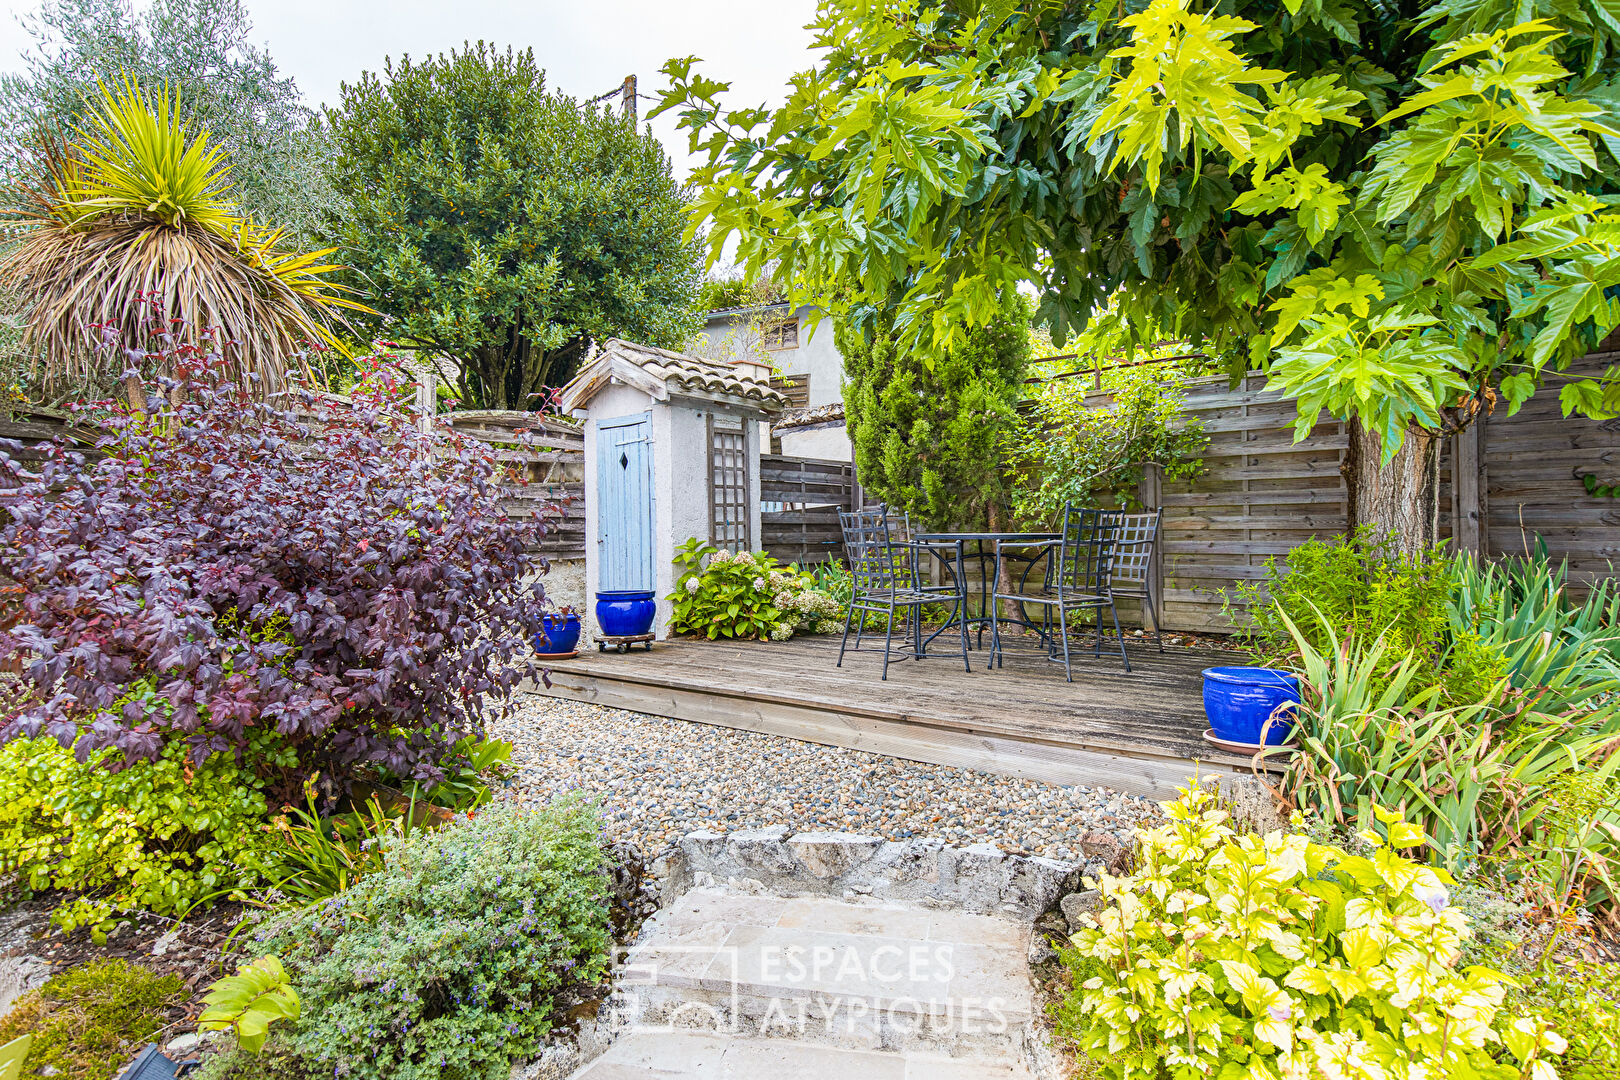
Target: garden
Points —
{"points": [[269, 626]]}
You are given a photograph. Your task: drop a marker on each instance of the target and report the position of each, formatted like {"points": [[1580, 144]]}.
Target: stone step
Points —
{"points": [[680, 1054], [859, 976]]}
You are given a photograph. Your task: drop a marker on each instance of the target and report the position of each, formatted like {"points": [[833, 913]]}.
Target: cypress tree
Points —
{"points": [[928, 439]]}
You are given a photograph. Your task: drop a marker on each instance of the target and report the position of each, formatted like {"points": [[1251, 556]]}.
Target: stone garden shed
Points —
{"points": [[672, 446]]}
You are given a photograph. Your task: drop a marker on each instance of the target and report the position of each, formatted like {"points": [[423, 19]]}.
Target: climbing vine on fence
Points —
{"points": [[1600, 491], [1076, 443]]}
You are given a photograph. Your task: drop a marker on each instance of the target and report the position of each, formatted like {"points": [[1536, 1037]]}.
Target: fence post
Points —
{"points": [[427, 400], [1468, 530], [1151, 492]]}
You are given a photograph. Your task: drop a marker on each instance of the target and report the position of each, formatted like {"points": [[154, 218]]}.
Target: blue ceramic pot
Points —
{"points": [[1239, 701], [626, 613], [561, 634]]}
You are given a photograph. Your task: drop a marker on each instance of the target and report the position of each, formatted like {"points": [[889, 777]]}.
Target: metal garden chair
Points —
{"points": [[1133, 563], [1078, 578], [887, 582]]}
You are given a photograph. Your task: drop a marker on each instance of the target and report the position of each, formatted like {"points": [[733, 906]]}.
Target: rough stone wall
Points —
{"points": [[981, 879]]}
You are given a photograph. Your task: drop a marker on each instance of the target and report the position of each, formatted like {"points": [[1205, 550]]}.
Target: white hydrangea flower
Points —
{"points": [[692, 586], [759, 584], [720, 557], [782, 632]]}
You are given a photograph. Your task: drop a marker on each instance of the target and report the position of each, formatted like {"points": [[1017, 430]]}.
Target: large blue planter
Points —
{"points": [[1239, 701], [627, 613], [561, 634]]}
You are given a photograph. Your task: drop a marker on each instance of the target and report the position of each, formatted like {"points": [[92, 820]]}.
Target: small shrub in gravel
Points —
{"points": [[452, 961], [89, 1020]]}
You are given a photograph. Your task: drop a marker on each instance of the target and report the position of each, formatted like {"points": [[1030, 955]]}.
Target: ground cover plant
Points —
{"points": [[724, 594], [350, 582], [88, 1021], [1273, 956], [450, 960]]}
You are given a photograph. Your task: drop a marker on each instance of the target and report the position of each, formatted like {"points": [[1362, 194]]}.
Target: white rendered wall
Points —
{"points": [[828, 443], [817, 356]]}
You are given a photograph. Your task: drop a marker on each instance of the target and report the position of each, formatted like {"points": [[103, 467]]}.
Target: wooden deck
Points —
{"points": [[1138, 732]]}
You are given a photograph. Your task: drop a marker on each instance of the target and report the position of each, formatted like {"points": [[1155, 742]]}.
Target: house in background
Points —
{"points": [[809, 371]]}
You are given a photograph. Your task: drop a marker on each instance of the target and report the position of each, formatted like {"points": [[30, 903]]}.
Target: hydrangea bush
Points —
{"points": [[339, 576], [1276, 957], [722, 594]]}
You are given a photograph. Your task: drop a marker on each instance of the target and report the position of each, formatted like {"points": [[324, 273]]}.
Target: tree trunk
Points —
{"points": [[1397, 498], [135, 395]]}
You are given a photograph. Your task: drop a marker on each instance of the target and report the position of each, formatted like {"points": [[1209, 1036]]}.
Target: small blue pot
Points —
{"points": [[1239, 701], [626, 613], [561, 634]]}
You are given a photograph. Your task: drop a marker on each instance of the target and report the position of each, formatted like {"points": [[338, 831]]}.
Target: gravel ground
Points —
{"points": [[659, 779]]}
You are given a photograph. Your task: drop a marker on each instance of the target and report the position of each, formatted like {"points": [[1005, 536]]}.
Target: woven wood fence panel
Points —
{"points": [[1261, 494], [800, 501], [1519, 478], [550, 457]]}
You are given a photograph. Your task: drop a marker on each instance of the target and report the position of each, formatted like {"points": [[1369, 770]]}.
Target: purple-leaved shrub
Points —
{"points": [[338, 575]]}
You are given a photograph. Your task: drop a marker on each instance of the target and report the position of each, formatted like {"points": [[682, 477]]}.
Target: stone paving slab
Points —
{"points": [[884, 955], [680, 1055], [736, 986]]}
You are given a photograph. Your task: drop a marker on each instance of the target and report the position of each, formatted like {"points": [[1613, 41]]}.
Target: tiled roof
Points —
{"points": [[830, 413], [693, 373]]}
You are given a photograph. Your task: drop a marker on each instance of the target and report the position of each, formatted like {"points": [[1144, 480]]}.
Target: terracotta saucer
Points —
{"points": [[1247, 749]]}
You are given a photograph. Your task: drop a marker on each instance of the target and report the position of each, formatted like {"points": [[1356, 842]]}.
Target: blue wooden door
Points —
{"points": [[624, 518]]}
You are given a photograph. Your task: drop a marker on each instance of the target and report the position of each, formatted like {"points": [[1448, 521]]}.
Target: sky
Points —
{"points": [[586, 46]]}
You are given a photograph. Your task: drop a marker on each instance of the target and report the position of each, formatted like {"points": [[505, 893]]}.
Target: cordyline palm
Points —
{"points": [[135, 215]]}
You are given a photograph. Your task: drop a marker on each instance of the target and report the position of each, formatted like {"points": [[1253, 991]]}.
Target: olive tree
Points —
{"points": [[199, 52]]}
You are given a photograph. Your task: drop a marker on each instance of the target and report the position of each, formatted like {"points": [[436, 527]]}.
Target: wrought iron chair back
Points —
{"points": [[1084, 561], [1133, 549], [875, 562], [887, 583]]}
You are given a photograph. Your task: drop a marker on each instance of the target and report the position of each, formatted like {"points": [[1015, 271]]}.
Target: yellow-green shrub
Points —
{"points": [[1236, 956], [158, 836]]}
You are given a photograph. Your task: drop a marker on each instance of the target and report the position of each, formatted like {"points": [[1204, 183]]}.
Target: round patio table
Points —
{"points": [[988, 552]]}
